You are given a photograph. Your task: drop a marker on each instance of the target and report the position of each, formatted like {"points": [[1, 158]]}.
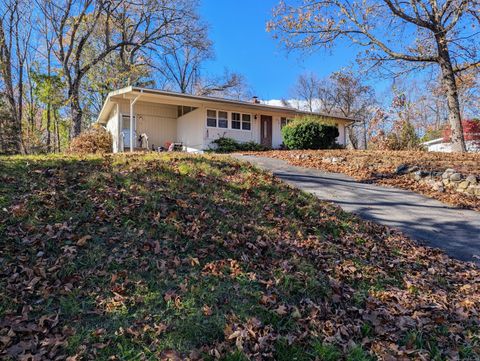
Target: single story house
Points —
{"points": [[195, 121]]}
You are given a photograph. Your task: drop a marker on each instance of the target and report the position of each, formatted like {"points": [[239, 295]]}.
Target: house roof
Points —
{"points": [[156, 95], [434, 141]]}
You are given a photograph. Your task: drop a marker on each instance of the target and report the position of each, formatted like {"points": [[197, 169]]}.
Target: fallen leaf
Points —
{"points": [[82, 241]]}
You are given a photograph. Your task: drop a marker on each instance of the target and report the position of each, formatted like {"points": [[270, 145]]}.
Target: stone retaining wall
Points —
{"points": [[440, 181]]}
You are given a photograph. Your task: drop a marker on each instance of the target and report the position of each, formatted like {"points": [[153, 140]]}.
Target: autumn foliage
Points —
{"points": [[96, 140], [471, 131]]}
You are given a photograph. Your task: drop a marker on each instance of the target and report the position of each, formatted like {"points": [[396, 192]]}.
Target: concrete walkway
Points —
{"points": [[426, 220]]}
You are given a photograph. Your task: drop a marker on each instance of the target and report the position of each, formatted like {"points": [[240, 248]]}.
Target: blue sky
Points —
{"points": [[237, 29]]}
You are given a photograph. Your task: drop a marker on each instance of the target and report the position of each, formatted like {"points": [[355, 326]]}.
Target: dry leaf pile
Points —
{"points": [[146, 257]]}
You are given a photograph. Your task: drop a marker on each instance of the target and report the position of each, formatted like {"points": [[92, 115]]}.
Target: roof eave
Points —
{"points": [[240, 103], [106, 108], [108, 104]]}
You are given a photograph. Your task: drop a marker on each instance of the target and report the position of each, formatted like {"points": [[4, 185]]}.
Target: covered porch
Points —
{"points": [[138, 122]]}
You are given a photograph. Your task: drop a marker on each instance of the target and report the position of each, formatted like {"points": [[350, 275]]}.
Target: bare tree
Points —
{"points": [[14, 43], [342, 93], [182, 59], [228, 85], [416, 33], [326, 96], [307, 90], [144, 23]]}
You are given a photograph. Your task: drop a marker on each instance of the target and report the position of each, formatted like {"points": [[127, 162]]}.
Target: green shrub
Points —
{"points": [[94, 140], [229, 145], [309, 133]]}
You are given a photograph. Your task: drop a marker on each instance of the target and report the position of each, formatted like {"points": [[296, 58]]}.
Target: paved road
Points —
{"points": [[426, 220]]}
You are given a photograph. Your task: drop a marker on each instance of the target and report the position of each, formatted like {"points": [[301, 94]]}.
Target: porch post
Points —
{"points": [[131, 124], [120, 146], [132, 103]]}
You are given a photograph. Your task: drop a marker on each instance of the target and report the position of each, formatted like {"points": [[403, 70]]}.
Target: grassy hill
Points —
{"points": [[148, 257]]}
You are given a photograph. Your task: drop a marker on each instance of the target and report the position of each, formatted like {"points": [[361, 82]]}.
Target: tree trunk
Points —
{"points": [[49, 148], [57, 130], [450, 84], [365, 146], [49, 71], [352, 136], [76, 111]]}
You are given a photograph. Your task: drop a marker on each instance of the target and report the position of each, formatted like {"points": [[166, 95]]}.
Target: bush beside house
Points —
{"points": [[96, 140], [309, 133], [230, 145]]}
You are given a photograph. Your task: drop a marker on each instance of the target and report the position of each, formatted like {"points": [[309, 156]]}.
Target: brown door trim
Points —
{"points": [[266, 123]]}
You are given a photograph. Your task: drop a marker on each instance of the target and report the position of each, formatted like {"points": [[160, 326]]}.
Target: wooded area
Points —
{"points": [[60, 59], [396, 37]]}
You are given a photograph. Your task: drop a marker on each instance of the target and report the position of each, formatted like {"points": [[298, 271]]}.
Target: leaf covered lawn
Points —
{"points": [[150, 257]]}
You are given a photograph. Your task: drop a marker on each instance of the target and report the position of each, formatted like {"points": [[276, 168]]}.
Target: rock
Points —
{"points": [[472, 179], [470, 190], [402, 169], [430, 181], [455, 177], [412, 169], [334, 160], [463, 185], [446, 182], [448, 172], [338, 160], [438, 186], [419, 174], [477, 191]]}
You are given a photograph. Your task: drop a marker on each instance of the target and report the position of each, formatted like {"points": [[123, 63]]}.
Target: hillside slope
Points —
{"points": [[202, 257]]}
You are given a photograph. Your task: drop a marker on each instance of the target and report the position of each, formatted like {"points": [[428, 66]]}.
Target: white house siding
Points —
{"points": [[341, 137], [437, 145], [161, 124], [277, 138], [210, 134], [112, 127], [158, 121], [190, 130], [254, 135], [159, 130]]}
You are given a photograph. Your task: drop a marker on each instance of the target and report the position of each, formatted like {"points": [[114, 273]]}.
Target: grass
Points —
{"points": [[145, 257]]}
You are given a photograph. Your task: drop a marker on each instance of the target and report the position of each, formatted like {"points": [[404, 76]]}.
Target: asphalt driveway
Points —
{"points": [[426, 220]]}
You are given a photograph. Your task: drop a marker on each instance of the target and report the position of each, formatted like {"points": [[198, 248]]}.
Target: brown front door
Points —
{"points": [[266, 131]]}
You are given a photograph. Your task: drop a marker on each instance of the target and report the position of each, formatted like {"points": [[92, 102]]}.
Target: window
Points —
{"points": [[182, 110], [126, 121], [211, 118], [246, 122], [222, 119], [284, 122], [236, 123], [219, 119]]}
